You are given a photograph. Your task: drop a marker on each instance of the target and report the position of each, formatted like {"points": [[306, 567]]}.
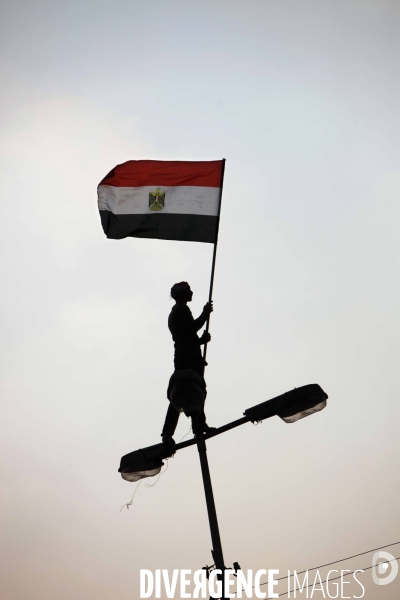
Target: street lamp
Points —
{"points": [[291, 407], [145, 462]]}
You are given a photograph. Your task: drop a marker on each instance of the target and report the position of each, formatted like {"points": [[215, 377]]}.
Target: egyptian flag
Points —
{"points": [[167, 200]]}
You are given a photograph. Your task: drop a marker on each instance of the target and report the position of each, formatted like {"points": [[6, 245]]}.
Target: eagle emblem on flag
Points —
{"points": [[157, 200]]}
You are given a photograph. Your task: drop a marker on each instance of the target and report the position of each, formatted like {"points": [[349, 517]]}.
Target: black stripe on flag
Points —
{"points": [[187, 228]]}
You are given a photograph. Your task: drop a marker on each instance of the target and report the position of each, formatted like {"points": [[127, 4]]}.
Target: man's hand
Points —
{"points": [[208, 308], [205, 338]]}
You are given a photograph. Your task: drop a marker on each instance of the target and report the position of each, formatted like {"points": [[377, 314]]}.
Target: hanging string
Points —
{"points": [[130, 503], [186, 434], [161, 473]]}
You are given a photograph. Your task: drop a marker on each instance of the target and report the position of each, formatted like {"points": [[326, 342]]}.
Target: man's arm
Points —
{"points": [[205, 338], [199, 322]]}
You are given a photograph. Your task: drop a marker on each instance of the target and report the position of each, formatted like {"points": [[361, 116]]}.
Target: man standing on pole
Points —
{"points": [[184, 328], [170, 200]]}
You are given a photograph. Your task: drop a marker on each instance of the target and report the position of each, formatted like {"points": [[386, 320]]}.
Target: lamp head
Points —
{"points": [[145, 462], [292, 406]]}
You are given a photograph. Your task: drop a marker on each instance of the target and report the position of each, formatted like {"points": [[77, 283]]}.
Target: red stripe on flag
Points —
{"points": [[138, 173]]}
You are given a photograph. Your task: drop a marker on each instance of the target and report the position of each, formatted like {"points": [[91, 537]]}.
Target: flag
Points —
{"points": [[167, 200]]}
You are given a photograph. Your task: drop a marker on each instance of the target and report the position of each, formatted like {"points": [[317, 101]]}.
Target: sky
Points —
{"points": [[301, 98]]}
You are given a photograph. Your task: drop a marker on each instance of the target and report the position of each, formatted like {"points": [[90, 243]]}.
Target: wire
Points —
{"points": [[186, 434], [336, 561], [146, 484], [161, 473], [130, 503], [333, 578]]}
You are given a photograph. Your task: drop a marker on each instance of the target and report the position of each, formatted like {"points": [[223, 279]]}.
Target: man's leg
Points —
{"points": [[201, 419], [197, 365], [171, 421]]}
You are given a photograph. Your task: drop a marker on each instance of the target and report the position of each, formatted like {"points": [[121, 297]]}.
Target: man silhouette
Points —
{"points": [[187, 347]]}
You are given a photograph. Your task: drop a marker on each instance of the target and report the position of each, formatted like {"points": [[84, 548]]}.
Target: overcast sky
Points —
{"points": [[301, 97]]}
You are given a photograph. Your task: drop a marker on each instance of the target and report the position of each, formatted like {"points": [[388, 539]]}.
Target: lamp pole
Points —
{"points": [[290, 407], [211, 510]]}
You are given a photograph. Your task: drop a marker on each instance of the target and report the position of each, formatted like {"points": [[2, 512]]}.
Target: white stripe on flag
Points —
{"points": [[178, 200]]}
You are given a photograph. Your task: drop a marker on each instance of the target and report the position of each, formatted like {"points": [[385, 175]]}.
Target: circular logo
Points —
{"points": [[384, 568]]}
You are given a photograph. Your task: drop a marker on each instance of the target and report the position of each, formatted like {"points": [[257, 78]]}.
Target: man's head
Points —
{"points": [[181, 292]]}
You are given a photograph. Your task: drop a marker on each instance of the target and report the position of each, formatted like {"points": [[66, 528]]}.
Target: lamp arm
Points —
{"points": [[213, 433]]}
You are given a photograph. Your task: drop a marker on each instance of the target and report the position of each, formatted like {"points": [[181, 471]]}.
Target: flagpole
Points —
{"points": [[214, 253]]}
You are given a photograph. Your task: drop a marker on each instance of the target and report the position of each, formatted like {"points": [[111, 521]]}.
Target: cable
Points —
{"points": [[130, 503], [161, 473], [333, 563], [333, 578], [336, 561], [190, 429]]}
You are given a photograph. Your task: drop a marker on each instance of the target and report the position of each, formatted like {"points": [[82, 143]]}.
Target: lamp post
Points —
{"points": [[211, 510], [291, 407]]}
